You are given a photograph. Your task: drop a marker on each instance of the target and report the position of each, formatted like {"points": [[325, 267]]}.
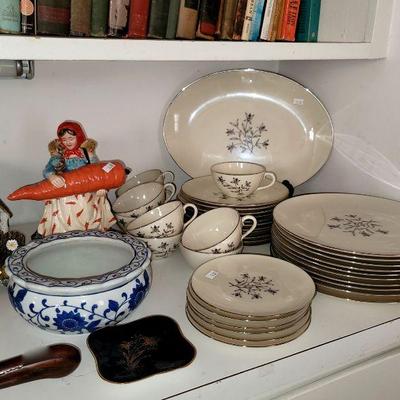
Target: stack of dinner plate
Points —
{"points": [[203, 192], [348, 243], [250, 300]]}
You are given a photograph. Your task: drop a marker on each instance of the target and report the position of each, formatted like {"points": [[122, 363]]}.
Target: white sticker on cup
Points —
{"points": [[211, 274], [108, 167], [298, 102]]}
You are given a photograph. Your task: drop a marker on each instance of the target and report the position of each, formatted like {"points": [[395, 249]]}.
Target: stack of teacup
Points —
{"points": [[140, 194], [161, 228], [216, 233]]}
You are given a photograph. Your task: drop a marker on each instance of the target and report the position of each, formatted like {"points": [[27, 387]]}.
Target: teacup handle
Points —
{"points": [[170, 174], [173, 190], [247, 218], [196, 211], [271, 174]]}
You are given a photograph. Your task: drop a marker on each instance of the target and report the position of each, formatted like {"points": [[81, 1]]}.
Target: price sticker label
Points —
{"points": [[108, 167], [298, 102], [211, 274]]}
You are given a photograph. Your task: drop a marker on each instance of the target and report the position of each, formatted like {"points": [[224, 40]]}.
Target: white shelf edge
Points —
{"points": [[89, 49]]}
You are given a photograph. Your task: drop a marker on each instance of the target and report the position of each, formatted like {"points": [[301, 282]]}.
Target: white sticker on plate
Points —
{"points": [[211, 274], [298, 102], [108, 167]]}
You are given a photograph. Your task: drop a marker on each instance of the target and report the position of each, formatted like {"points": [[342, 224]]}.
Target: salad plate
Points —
{"points": [[249, 115]]}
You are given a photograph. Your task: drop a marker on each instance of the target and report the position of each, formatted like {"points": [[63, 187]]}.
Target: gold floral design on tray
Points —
{"points": [[252, 286], [352, 223], [246, 137]]}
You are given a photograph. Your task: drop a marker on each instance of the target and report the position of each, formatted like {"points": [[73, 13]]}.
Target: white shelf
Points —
{"points": [[52, 48]]}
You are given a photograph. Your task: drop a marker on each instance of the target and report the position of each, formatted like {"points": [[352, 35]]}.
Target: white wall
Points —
{"points": [[120, 104], [363, 100]]}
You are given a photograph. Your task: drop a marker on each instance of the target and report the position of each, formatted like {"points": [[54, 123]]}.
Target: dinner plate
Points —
{"points": [[249, 115], [351, 224], [203, 189], [252, 284]]}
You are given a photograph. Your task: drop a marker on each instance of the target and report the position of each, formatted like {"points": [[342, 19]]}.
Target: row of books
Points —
{"points": [[249, 20]]}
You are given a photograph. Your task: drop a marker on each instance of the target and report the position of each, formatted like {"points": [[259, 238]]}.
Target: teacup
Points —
{"points": [[240, 179], [163, 221], [162, 247], [151, 175], [216, 231], [143, 198]]}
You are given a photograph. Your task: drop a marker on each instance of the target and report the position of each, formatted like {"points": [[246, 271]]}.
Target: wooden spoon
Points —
{"points": [[54, 361]]}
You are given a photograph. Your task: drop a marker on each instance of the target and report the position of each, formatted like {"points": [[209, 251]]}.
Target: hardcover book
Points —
{"points": [[81, 15], [118, 18], [239, 20], [308, 21], [277, 17], [228, 19], [288, 23], [99, 21], [172, 23], [53, 17], [139, 19], [268, 19], [28, 17], [187, 20], [248, 19], [255, 27], [158, 18], [10, 17], [208, 19]]}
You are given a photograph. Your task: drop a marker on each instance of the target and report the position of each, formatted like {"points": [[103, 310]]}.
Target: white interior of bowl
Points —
{"points": [[79, 257], [210, 228], [137, 197], [154, 215], [237, 168]]}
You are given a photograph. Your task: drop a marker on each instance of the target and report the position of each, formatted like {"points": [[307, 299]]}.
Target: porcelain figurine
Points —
{"points": [[75, 185]]}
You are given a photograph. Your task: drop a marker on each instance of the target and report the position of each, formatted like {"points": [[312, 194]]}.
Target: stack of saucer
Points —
{"points": [[348, 243], [203, 192], [250, 300]]}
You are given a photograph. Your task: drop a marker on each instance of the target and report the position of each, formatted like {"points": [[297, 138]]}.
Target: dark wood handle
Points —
{"points": [[49, 362]]}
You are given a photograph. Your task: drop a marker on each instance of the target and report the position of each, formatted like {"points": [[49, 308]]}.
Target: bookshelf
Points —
{"points": [[54, 48]]}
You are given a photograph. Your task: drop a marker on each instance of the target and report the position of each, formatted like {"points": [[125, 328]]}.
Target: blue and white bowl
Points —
{"points": [[77, 282]]}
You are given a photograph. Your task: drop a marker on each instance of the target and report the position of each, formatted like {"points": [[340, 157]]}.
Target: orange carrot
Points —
{"points": [[89, 178]]}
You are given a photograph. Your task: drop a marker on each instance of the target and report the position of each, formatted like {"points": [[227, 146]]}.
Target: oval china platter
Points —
{"points": [[249, 115]]}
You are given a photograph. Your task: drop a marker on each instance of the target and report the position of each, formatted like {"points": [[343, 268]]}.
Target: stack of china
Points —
{"points": [[206, 195], [214, 234], [250, 300], [140, 194], [348, 243], [161, 228]]}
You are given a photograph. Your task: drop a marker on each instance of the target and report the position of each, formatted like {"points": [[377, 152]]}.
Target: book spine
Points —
{"points": [[118, 18], [277, 17], [220, 18], [172, 23], [287, 30], [53, 17], [139, 19], [10, 16], [228, 19], [99, 19], [187, 20], [268, 20], [255, 27], [239, 20], [158, 19], [308, 21], [28, 17], [208, 17], [81, 15], [248, 19]]}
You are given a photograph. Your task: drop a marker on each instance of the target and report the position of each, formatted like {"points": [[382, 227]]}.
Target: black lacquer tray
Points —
{"points": [[148, 346]]}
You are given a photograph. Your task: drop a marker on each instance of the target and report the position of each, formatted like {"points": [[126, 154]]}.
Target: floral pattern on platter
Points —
{"points": [[231, 247], [235, 186], [245, 137], [352, 223], [68, 315], [253, 287]]}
